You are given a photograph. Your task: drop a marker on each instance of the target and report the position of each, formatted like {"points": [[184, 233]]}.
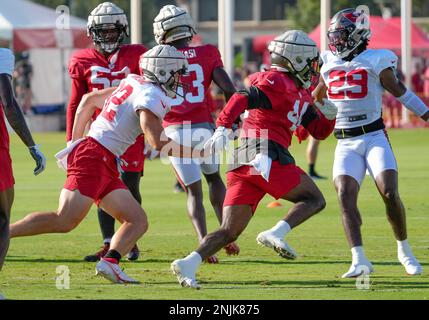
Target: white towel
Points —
{"points": [[262, 164], [62, 155]]}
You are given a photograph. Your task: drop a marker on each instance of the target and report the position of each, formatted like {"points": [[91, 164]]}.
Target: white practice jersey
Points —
{"points": [[7, 61], [118, 124], [354, 86]]}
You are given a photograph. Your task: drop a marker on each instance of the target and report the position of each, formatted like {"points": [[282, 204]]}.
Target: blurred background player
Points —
{"points": [[355, 78], [278, 102], [190, 122], [102, 67], [136, 106], [23, 73], [10, 107]]}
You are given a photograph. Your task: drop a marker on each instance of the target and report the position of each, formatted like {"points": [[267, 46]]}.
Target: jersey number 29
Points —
{"points": [[348, 85]]}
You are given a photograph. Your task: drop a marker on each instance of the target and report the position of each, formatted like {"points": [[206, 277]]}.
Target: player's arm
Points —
{"points": [[87, 106], [319, 119], [320, 91], [78, 89], [409, 99], [155, 136], [223, 81], [16, 120]]}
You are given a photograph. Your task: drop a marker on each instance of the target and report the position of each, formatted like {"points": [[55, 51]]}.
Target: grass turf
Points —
{"points": [[257, 273]]}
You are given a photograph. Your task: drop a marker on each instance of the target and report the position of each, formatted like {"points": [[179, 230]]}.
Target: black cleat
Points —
{"points": [[134, 253], [99, 254]]}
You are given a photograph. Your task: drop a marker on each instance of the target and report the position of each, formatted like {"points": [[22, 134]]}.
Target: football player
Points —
{"points": [[9, 107], [102, 67], [278, 101], [137, 106], [355, 78], [190, 121]]}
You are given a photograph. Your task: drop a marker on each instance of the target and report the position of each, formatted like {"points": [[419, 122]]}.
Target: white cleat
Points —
{"points": [[364, 267], [185, 277], [268, 239], [112, 272], [412, 266]]}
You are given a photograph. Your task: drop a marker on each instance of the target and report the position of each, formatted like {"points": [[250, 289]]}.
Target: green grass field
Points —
{"points": [[257, 273]]}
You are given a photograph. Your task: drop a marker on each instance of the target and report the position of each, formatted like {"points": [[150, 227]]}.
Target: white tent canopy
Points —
{"points": [[50, 36], [29, 25]]}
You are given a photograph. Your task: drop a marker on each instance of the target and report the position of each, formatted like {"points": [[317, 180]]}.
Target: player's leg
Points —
{"points": [[73, 207], [311, 155], [308, 200], [235, 220], [132, 181], [349, 171], [107, 227], [123, 207], [6, 201], [217, 193], [383, 168], [241, 200]]}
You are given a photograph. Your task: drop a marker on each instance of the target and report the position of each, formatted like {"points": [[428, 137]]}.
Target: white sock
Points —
{"points": [[404, 248], [107, 240], [281, 229], [194, 259], [358, 254]]}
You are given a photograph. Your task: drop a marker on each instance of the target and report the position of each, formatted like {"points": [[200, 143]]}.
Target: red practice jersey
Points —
{"points": [[90, 70], [194, 106], [4, 135], [288, 105]]}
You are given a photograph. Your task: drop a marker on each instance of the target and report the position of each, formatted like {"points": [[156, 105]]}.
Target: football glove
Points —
{"points": [[328, 109], [39, 157], [218, 141]]}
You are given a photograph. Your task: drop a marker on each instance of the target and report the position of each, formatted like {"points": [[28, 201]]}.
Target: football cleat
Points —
{"points": [[363, 267], [412, 266], [185, 276], [269, 240], [232, 249], [111, 271], [99, 254], [134, 253]]}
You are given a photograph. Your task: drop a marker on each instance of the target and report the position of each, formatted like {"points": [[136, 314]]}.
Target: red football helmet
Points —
{"points": [[348, 29]]}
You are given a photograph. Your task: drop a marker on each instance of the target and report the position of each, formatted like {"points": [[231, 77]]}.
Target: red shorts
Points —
{"points": [[93, 170], [6, 175], [134, 156], [246, 186]]}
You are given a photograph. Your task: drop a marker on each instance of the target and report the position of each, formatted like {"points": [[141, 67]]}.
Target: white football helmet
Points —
{"points": [[297, 53], [107, 16], [163, 65], [172, 23]]}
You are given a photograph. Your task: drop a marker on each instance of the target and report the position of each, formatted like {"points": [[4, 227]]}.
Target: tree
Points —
{"points": [[306, 14]]}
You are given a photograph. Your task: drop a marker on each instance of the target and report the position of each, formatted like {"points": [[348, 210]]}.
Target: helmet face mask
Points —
{"points": [[163, 65], [108, 26], [108, 36], [297, 54], [348, 29]]}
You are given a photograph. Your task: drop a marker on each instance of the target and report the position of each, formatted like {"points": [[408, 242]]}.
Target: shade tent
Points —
{"points": [[28, 25], [50, 38], [386, 34]]}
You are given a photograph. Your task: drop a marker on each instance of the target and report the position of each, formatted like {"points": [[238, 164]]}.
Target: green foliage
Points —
{"points": [[306, 14]]}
